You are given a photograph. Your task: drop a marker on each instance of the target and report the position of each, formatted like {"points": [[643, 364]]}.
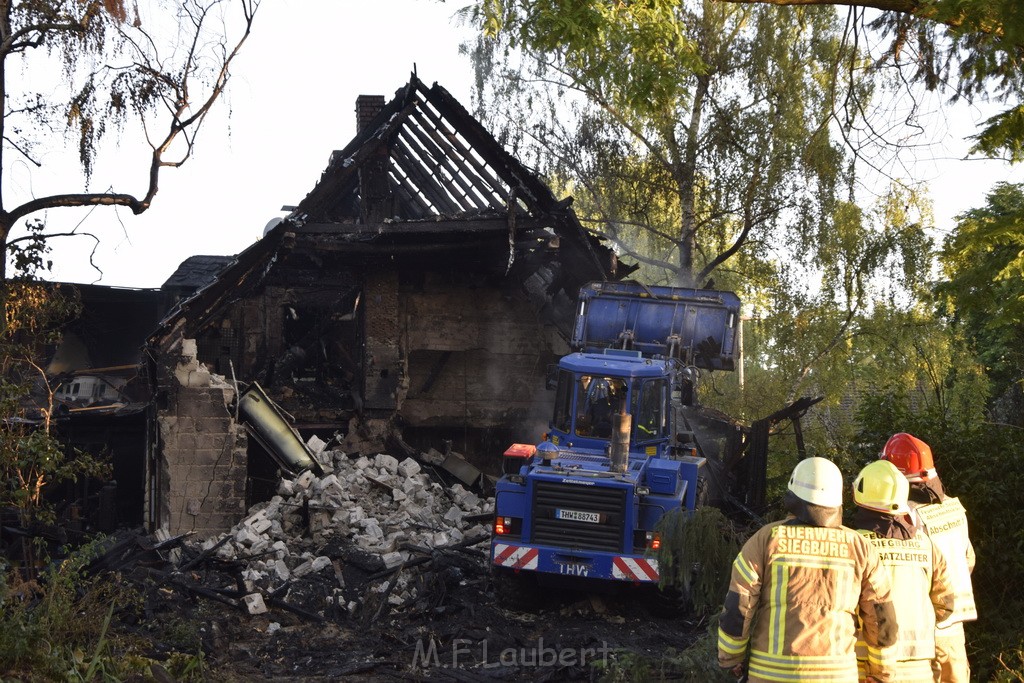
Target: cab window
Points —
{"points": [[648, 414], [598, 399], [563, 402]]}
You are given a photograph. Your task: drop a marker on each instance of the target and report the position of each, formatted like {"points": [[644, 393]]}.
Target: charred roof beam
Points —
{"points": [[488, 173], [428, 188], [443, 161], [483, 178]]}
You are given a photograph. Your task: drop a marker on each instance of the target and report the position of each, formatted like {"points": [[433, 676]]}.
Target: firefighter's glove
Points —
{"points": [[740, 672]]}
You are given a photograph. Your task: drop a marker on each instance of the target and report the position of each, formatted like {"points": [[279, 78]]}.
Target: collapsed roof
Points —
{"points": [[421, 184]]}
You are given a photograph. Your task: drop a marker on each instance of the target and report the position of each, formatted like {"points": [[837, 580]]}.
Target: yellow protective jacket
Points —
{"points": [[796, 595], [922, 593], [946, 524]]}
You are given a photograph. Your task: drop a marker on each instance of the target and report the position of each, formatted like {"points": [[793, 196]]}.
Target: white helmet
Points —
{"points": [[817, 481]]}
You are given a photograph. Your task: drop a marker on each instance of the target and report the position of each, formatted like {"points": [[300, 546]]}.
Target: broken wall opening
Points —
{"points": [[262, 474], [320, 353]]}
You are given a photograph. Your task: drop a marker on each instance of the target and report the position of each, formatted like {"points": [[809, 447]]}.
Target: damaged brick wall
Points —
{"points": [[203, 449], [477, 357], [385, 375]]}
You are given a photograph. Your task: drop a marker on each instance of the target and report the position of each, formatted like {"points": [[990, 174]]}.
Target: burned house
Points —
{"points": [[413, 299]]}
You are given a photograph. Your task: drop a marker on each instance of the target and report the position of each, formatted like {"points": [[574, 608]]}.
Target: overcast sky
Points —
{"points": [[291, 103]]}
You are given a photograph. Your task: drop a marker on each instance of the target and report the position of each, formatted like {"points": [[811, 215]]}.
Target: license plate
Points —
{"points": [[578, 516]]}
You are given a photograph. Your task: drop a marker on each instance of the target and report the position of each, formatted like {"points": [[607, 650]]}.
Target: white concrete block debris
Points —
{"points": [[316, 445], [303, 569], [413, 484], [468, 500], [254, 603], [261, 525], [453, 515], [433, 456], [392, 560], [408, 468], [304, 480], [245, 536], [281, 570], [346, 508], [386, 462]]}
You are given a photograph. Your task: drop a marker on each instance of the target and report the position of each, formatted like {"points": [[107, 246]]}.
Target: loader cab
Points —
{"points": [[591, 388]]}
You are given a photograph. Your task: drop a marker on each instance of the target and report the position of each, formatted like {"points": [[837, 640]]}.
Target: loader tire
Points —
{"points": [[701, 499]]}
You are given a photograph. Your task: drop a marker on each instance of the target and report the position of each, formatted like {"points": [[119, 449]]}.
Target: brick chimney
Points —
{"points": [[375, 200], [367, 107]]}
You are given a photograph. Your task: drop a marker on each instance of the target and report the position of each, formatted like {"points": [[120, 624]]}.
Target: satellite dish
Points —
{"points": [[271, 224]]}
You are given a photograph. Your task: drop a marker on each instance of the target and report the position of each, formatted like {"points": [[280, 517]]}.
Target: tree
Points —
{"points": [[983, 261], [688, 132], [736, 149], [163, 65]]}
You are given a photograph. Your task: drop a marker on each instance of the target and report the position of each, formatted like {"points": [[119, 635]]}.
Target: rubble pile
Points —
{"points": [[362, 521]]}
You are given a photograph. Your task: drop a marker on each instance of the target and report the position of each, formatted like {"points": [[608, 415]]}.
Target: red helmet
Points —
{"points": [[911, 456]]}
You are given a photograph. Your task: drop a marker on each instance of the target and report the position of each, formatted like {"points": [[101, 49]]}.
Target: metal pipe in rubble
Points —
{"points": [[622, 424]]}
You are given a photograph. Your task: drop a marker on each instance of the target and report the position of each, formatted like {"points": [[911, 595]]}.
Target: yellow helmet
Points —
{"points": [[881, 486], [817, 481]]}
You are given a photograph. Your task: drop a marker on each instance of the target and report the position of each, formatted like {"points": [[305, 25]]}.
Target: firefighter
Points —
{"points": [[800, 585], [921, 588], [944, 519]]}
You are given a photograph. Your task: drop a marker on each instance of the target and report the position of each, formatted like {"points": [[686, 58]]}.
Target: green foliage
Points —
{"points": [[977, 462], [971, 48], [1003, 134], [983, 260], [31, 457], [636, 52], [98, 65], [28, 254], [76, 34], [697, 663], [49, 628], [720, 152], [696, 554], [42, 631]]}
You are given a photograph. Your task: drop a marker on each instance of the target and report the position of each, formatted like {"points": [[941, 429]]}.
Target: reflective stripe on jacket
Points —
{"points": [[922, 593], [946, 523], [796, 594]]}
